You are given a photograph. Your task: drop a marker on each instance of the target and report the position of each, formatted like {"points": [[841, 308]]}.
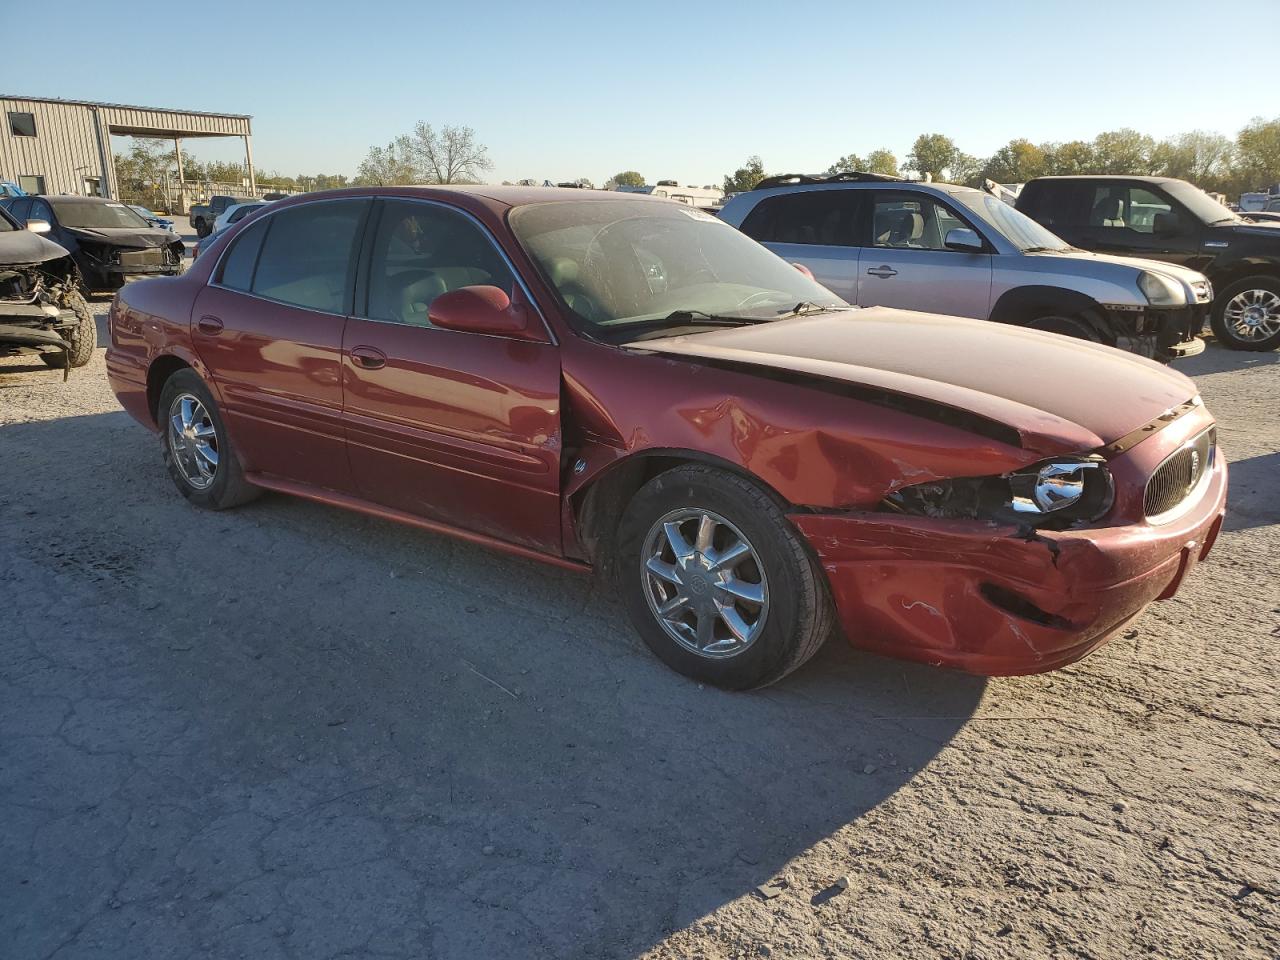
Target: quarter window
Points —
{"points": [[912, 222], [814, 217], [22, 124], [421, 251], [1133, 208], [307, 255], [237, 266]]}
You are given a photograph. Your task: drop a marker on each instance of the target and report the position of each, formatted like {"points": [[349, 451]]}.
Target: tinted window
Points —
{"points": [[19, 209], [237, 266], [240, 214], [306, 256], [811, 217], [911, 222], [421, 251], [1131, 207], [110, 215], [40, 211]]}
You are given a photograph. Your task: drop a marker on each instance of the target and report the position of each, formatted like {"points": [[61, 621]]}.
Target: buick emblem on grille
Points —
{"points": [[1195, 468]]}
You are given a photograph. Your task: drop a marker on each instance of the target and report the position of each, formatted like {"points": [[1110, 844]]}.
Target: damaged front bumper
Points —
{"points": [[1160, 334], [985, 599]]}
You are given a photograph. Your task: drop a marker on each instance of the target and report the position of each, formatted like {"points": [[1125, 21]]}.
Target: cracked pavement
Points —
{"points": [[290, 732]]}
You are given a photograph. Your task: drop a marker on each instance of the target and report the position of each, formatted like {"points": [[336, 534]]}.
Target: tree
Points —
{"points": [[934, 154], [1123, 152], [1258, 152], [389, 165], [1016, 162], [745, 177], [627, 178], [1065, 159], [1196, 156], [449, 155], [851, 163], [883, 162]]}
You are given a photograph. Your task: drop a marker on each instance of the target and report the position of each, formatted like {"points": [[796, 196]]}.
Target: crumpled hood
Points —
{"points": [[1060, 394], [22, 248], [124, 236]]}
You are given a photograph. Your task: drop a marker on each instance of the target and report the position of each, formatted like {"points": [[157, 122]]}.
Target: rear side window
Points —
{"points": [[816, 217], [308, 253], [237, 266]]}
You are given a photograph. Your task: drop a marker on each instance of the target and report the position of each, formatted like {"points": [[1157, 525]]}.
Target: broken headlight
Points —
{"points": [[1063, 491]]}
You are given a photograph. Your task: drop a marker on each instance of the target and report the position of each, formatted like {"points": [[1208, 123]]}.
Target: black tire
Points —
{"points": [[1066, 326], [799, 616], [228, 487], [84, 338], [1217, 315]]}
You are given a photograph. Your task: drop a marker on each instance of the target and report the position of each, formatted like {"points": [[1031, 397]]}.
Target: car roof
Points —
{"points": [[506, 196], [1110, 176], [924, 185]]}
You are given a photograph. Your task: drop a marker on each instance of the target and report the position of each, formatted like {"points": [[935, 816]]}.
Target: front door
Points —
{"points": [[1140, 220], [457, 427], [269, 327], [906, 264]]}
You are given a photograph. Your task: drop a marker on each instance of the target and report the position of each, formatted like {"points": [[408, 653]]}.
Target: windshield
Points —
{"points": [[97, 216], [1016, 227], [5, 225], [619, 263], [1201, 205]]}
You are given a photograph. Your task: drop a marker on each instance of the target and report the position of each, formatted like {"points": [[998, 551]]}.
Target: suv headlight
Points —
{"points": [[1060, 492], [1161, 291]]}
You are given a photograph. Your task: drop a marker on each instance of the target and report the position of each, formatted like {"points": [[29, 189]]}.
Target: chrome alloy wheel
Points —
{"points": [[1253, 314], [704, 583], [193, 440]]}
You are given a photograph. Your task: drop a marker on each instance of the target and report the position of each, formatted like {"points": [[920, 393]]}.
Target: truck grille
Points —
{"points": [[1180, 473], [142, 258]]}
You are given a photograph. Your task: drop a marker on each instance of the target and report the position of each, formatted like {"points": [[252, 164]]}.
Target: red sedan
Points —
{"points": [[611, 381]]}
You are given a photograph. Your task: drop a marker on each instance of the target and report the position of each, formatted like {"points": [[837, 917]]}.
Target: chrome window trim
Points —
{"points": [[484, 231], [1194, 495]]}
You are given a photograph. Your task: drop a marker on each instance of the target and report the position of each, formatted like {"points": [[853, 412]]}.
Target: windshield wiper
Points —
{"points": [[805, 307], [687, 318]]}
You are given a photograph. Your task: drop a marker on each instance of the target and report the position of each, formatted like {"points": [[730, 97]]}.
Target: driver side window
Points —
{"points": [[421, 251], [904, 221]]}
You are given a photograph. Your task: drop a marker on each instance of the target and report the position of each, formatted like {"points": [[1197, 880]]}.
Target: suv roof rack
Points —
{"points": [[800, 179]]}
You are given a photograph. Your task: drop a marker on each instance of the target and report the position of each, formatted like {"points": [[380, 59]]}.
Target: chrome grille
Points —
{"points": [[142, 258], [1180, 473]]}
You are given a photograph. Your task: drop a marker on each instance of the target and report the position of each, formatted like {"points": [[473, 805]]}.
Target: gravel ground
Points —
{"points": [[287, 731]]}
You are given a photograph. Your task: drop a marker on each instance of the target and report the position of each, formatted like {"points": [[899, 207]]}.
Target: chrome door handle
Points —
{"points": [[368, 358], [885, 271], [210, 326]]}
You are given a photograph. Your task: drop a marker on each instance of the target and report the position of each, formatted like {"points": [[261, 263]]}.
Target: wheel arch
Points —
{"points": [[596, 507], [165, 365]]}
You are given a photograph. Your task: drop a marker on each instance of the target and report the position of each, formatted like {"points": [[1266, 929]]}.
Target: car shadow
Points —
{"points": [[1252, 502], [1218, 359], [384, 740]]}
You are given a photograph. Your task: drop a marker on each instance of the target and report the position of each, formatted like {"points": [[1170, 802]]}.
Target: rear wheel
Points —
{"points": [[83, 338], [1246, 315], [197, 452], [717, 582]]}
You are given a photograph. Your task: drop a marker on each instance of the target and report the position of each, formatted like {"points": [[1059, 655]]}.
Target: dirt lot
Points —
{"points": [[291, 732]]}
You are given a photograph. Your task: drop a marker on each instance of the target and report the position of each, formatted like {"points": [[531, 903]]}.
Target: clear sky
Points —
{"points": [[681, 90]]}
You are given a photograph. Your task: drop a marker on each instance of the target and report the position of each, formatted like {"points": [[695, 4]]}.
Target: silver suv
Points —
{"points": [[941, 248]]}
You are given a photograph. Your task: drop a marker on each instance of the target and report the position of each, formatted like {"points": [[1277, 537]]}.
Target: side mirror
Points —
{"points": [[38, 226], [480, 310], [964, 240]]}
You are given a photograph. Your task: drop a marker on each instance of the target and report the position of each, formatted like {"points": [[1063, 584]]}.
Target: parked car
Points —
{"points": [[1165, 219], [1262, 216], [614, 381], [41, 308], [152, 218], [940, 248], [110, 243], [203, 215], [235, 213]]}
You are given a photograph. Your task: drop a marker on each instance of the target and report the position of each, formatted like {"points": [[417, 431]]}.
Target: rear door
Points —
{"points": [[815, 228], [269, 327], [461, 428], [906, 263]]}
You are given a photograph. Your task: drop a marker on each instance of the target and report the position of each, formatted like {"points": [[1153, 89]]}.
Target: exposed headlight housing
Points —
{"points": [[1058, 492], [1160, 290]]}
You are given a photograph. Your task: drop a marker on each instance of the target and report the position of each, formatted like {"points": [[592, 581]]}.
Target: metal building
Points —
{"points": [[64, 146]]}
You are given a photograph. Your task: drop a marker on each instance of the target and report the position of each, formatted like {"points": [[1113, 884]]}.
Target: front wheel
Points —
{"points": [[197, 451], [717, 582], [83, 338], [1246, 315]]}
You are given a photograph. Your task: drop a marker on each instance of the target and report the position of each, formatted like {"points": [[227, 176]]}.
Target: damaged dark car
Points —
{"points": [[110, 243], [41, 308], [613, 381]]}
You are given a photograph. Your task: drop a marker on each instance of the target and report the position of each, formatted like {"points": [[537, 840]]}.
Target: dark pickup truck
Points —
{"points": [[203, 215], [1159, 218]]}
